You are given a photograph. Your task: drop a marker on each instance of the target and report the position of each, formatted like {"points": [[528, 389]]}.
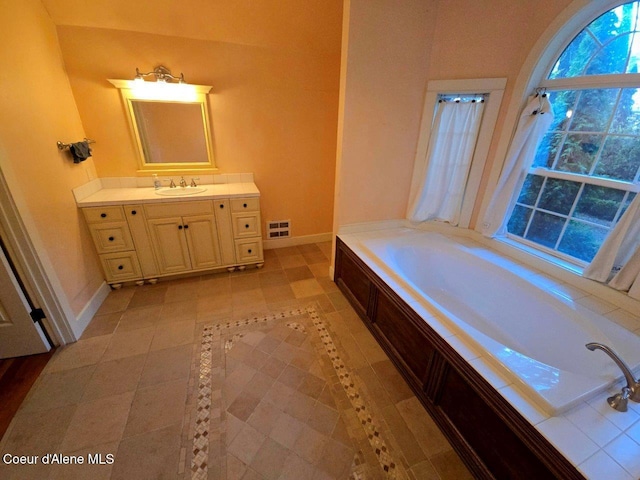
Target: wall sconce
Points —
{"points": [[162, 74]]}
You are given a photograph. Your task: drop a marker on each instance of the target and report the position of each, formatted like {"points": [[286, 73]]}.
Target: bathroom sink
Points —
{"points": [[180, 191]]}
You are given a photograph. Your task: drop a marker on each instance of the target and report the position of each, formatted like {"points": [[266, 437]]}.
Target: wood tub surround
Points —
{"points": [[489, 434]]}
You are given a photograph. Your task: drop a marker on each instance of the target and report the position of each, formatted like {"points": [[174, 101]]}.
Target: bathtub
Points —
{"points": [[533, 334]]}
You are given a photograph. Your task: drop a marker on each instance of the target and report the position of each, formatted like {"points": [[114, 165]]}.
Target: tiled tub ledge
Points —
{"points": [[591, 438]]}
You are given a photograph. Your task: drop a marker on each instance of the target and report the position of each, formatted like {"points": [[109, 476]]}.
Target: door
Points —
{"points": [[170, 245], [19, 335], [202, 238]]}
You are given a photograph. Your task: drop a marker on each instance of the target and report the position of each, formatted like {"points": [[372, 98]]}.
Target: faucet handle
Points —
{"points": [[193, 181], [172, 184], [620, 400]]}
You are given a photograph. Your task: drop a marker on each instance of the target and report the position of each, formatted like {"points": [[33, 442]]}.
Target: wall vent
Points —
{"points": [[278, 229]]}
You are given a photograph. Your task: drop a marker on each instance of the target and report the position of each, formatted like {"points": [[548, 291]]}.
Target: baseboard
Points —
{"points": [[293, 241], [90, 309]]}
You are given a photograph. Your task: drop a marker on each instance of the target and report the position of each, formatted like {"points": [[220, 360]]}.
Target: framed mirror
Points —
{"points": [[169, 123]]}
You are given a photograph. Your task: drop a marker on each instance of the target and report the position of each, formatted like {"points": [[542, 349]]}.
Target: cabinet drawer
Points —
{"points": [[246, 225], [249, 250], [245, 204], [178, 209], [111, 237], [103, 214], [120, 267]]}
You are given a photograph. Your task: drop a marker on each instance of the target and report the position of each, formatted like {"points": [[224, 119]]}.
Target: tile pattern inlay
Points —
{"points": [[211, 422]]}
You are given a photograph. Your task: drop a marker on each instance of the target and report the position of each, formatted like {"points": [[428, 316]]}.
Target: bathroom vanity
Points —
{"points": [[141, 236]]}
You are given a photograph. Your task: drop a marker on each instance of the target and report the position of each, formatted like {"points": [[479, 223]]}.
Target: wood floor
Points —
{"points": [[17, 375]]}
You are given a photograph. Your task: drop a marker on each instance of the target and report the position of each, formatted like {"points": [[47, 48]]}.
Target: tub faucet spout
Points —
{"points": [[632, 384]]}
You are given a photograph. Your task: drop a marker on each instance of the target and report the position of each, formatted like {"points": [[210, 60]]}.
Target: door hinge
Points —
{"points": [[37, 314]]}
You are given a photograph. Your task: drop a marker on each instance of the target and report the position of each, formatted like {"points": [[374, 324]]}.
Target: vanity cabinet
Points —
{"points": [[138, 242], [113, 241]]}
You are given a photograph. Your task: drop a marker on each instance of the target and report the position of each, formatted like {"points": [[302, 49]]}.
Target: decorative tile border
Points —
{"points": [[371, 426], [200, 450], [199, 463]]}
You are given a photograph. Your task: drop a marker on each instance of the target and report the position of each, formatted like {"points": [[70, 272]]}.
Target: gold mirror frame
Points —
{"points": [[137, 90]]}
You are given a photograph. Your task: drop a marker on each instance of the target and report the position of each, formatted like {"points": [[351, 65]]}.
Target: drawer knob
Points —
{"points": [[246, 225], [249, 251], [222, 205], [186, 226], [120, 267], [179, 227], [133, 212], [111, 239], [244, 205], [103, 215]]}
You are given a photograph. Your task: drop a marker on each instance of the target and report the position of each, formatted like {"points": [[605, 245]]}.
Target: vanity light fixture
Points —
{"points": [[166, 87], [162, 74]]}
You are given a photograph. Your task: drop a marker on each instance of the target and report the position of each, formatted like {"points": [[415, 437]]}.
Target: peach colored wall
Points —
{"points": [[273, 110], [38, 109], [393, 50], [386, 70]]}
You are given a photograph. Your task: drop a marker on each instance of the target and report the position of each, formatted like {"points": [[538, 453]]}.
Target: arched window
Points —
{"points": [[586, 170]]}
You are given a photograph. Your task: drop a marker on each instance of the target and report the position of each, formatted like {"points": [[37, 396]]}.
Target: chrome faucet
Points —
{"points": [[172, 184], [183, 182], [631, 391]]}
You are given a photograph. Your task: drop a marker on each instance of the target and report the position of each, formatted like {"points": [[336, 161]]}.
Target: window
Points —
{"points": [[492, 89], [585, 173]]}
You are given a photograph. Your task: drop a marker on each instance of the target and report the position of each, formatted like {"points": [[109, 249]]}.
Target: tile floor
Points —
{"points": [[262, 374]]}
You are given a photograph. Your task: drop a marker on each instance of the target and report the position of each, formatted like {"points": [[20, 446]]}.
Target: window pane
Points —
{"points": [[627, 117], [612, 58], [578, 153], [562, 101], [594, 110], [620, 158], [582, 240], [545, 229], [547, 150], [598, 204], [558, 195], [632, 67], [611, 23], [518, 221], [530, 189], [574, 59]]}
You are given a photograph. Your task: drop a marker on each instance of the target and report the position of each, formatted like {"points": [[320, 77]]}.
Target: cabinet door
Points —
{"points": [[170, 245], [202, 238], [141, 239], [225, 233]]}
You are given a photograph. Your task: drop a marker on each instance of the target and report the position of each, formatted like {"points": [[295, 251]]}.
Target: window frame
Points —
{"points": [[494, 89], [618, 81]]}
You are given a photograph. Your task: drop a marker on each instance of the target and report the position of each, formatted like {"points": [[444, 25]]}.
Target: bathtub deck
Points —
{"points": [[598, 441]]}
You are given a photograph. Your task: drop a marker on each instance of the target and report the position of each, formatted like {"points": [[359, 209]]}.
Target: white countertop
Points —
{"points": [[124, 195]]}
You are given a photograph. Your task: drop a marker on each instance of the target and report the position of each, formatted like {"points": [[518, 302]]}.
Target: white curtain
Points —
{"points": [[620, 251], [451, 147], [534, 122]]}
